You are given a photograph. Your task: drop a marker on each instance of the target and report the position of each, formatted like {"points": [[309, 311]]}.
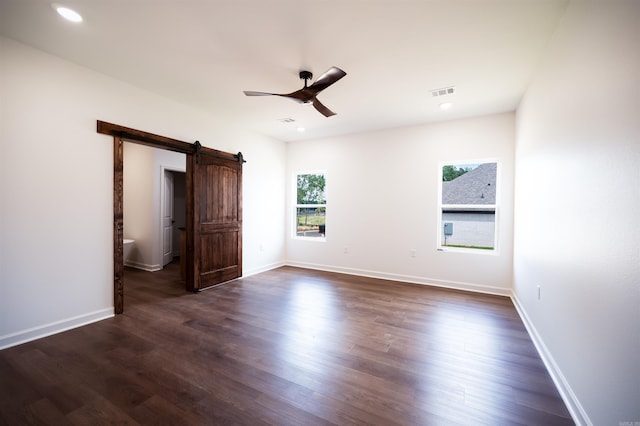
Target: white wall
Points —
{"points": [[56, 186], [577, 229], [138, 204], [382, 202]]}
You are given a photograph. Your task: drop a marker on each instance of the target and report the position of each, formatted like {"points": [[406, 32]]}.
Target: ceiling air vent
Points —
{"points": [[286, 120], [444, 91]]}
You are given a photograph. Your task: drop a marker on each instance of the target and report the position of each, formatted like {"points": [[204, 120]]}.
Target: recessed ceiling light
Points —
{"points": [[446, 105], [300, 129], [66, 13]]}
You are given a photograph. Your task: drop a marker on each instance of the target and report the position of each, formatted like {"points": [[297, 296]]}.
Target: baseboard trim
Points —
{"points": [[39, 332], [261, 269], [456, 285], [576, 410], [144, 266]]}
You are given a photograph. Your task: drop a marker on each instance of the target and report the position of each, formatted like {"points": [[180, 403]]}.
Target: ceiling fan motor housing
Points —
{"points": [[306, 75]]}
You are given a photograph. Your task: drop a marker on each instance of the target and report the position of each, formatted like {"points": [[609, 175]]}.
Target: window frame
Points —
{"points": [[496, 209], [296, 206]]}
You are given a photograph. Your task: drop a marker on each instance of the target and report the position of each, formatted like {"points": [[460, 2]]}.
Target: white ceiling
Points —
{"points": [[206, 52]]}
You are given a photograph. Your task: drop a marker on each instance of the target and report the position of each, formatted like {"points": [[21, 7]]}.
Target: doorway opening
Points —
{"points": [[154, 206], [174, 215]]}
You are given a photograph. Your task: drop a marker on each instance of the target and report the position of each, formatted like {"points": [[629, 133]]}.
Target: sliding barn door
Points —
{"points": [[217, 220]]}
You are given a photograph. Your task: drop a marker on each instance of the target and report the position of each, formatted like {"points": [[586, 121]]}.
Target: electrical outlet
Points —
{"points": [[261, 248], [412, 253], [346, 250], [539, 291]]}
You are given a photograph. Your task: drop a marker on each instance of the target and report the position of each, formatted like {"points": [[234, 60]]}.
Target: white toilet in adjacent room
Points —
{"points": [[128, 245]]}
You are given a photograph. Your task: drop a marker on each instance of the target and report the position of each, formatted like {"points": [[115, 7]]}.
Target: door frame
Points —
{"points": [[193, 151]]}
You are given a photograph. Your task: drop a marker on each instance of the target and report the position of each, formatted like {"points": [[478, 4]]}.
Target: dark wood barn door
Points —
{"points": [[217, 218]]}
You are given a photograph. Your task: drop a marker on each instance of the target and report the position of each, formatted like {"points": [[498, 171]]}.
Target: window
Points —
{"points": [[468, 206], [311, 206]]}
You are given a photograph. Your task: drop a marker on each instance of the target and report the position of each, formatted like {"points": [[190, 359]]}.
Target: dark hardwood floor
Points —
{"points": [[285, 347]]}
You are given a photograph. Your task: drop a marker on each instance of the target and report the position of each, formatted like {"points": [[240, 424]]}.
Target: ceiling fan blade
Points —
{"points": [[301, 95], [322, 109], [327, 79], [251, 93]]}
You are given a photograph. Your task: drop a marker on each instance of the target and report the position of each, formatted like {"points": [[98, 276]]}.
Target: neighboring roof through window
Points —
{"points": [[477, 186]]}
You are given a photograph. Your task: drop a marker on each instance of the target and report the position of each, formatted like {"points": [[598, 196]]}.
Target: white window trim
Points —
{"points": [[439, 224]]}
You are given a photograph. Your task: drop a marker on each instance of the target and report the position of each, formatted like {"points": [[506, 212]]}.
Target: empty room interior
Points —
{"points": [[437, 212]]}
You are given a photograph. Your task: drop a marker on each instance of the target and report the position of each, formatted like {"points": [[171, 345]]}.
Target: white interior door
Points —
{"points": [[167, 219]]}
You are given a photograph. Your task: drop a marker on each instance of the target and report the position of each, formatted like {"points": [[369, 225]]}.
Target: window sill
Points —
{"points": [[316, 239], [486, 252]]}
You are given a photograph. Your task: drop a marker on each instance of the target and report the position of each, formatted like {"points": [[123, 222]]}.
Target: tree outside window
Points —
{"points": [[311, 205]]}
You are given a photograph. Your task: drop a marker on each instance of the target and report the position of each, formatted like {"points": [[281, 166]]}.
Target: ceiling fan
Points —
{"points": [[307, 95]]}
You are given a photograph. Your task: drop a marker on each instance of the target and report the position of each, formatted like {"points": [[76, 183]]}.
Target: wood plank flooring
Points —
{"points": [[286, 347]]}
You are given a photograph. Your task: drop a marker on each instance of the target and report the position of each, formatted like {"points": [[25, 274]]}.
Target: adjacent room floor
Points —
{"points": [[286, 347]]}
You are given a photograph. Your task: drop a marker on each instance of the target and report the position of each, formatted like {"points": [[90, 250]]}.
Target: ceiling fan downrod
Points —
{"points": [[305, 75]]}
